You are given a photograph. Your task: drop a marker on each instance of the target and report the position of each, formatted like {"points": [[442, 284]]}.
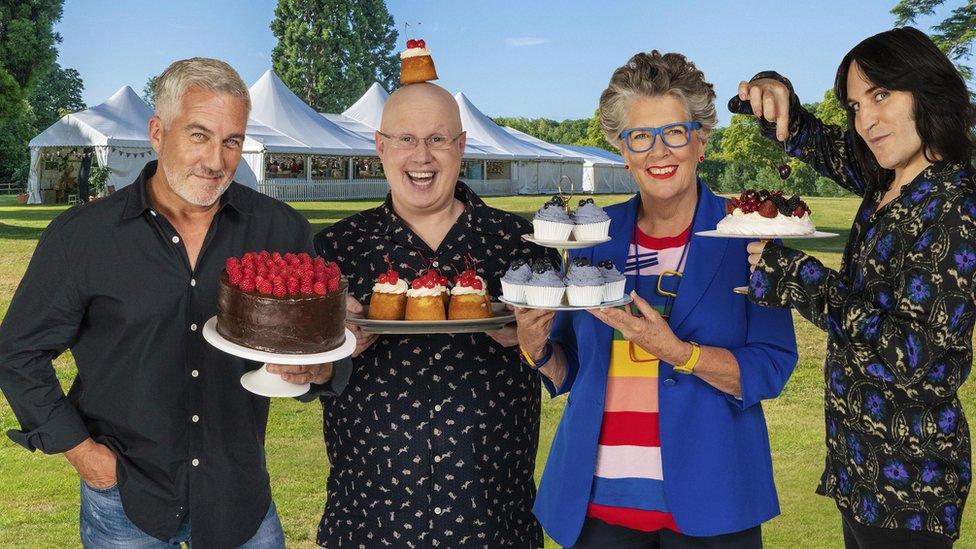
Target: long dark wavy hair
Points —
{"points": [[905, 59]]}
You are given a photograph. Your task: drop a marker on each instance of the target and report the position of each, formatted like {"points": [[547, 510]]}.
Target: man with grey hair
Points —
{"points": [[156, 424]]}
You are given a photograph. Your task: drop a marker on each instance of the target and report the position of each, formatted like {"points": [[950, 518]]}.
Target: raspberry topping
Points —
{"points": [[282, 275]]}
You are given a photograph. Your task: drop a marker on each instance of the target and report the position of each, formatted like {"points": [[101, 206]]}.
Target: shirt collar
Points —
{"points": [[138, 202], [475, 213]]}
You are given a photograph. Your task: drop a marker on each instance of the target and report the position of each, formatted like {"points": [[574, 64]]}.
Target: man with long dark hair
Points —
{"points": [[899, 313]]}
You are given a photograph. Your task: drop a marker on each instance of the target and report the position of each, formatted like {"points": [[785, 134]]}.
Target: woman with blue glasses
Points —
{"points": [[663, 441]]}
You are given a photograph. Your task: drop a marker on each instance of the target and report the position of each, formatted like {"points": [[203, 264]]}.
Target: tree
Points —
{"points": [[57, 94], [330, 51], [149, 91], [742, 143], [594, 135], [830, 110], [954, 35], [15, 131], [27, 50]]}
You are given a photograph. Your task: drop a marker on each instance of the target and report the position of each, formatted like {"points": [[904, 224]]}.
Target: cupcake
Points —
{"points": [[591, 222], [389, 298], [513, 281], [552, 222], [584, 284], [425, 298], [613, 281], [469, 297], [546, 287]]}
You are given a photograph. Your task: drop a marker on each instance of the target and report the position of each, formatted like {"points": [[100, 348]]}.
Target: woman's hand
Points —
{"points": [[649, 330], [770, 99], [755, 250], [533, 326]]}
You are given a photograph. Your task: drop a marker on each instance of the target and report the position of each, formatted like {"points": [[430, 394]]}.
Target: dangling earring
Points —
{"points": [[701, 158], [626, 166]]}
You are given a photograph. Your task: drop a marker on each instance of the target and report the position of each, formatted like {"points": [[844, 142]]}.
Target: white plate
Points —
{"points": [[565, 307], [715, 234], [564, 244], [262, 382], [502, 316]]}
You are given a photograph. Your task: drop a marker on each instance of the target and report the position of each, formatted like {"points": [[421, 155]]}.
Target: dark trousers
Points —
{"points": [[599, 534], [862, 536]]}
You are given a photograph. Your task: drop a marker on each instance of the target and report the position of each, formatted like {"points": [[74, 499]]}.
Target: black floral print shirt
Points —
{"points": [[433, 441], [899, 320]]}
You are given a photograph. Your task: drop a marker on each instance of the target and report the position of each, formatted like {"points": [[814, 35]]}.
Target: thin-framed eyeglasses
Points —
{"points": [[435, 142], [674, 136]]}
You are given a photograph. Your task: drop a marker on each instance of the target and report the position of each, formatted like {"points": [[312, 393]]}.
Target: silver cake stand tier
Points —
{"points": [[260, 381]]}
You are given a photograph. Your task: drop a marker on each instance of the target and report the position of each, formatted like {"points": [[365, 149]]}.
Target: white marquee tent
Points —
{"points": [[118, 132], [115, 129], [603, 171]]}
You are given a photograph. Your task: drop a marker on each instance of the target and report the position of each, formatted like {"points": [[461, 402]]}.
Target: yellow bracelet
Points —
{"points": [[689, 366]]}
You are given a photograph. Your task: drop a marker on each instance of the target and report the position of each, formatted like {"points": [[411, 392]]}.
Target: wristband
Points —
{"points": [[689, 366], [537, 364]]}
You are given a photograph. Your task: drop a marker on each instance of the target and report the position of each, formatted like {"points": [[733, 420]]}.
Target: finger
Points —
{"points": [[755, 100], [297, 379], [756, 247], [353, 305], [782, 112], [769, 107], [644, 307], [744, 90]]}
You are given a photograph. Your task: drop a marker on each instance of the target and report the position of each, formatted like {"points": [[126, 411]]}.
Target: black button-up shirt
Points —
{"points": [[433, 441], [111, 280]]}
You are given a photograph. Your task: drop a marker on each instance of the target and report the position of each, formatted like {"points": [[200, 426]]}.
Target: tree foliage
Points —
{"points": [[149, 91], [58, 93], [27, 51], [594, 135], [569, 131], [330, 51], [956, 33]]}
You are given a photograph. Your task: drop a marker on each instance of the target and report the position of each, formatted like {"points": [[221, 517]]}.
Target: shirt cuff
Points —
{"points": [[341, 372], [63, 431], [768, 284]]}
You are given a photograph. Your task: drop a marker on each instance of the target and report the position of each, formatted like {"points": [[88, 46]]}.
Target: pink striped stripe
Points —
{"points": [[631, 394], [666, 260], [628, 462]]}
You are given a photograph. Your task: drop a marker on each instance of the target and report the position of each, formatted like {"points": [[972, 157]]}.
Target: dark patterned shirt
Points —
{"points": [[433, 442], [899, 320]]}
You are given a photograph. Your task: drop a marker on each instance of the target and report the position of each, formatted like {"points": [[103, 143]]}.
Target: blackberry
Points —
{"points": [[580, 261], [517, 263], [606, 264], [585, 201]]}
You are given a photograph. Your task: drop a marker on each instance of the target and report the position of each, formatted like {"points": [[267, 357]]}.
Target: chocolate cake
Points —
{"points": [[289, 325]]}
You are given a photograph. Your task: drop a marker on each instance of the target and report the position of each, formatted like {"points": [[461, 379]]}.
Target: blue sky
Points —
{"points": [[535, 59]]}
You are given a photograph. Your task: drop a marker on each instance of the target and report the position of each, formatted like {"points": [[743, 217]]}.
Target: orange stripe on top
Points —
{"points": [[634, 394]]}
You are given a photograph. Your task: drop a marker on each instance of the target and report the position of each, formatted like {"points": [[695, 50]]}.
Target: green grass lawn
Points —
{"points": [[39, 494]]}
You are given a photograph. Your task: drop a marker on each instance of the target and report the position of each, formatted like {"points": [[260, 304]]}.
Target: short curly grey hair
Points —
{"points": [[202, 72], [652, 75]]}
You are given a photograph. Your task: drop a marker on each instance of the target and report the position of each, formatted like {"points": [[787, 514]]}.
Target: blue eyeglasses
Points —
{"points": [[674, 136]]}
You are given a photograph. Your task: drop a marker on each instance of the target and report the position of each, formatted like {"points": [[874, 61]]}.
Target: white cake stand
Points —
{"points": [[260, 381], [744, 290]]}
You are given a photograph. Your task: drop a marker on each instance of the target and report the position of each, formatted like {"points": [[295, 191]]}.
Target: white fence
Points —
{"points": [[345, 189]]}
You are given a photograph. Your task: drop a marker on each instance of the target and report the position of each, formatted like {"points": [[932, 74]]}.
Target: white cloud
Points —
{"points": [[525, 41]]}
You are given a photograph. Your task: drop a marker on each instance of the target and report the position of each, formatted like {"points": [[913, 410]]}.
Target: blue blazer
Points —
{"points": [[718, 474]]}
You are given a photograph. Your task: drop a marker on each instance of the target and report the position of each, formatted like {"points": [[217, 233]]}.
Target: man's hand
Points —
{"points": [[363, 340], [755, 250], [300, 375], [94, 462], [770, 99]]}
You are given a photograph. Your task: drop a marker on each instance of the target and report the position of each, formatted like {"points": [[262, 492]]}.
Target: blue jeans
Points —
{"points": [[104, 524]]}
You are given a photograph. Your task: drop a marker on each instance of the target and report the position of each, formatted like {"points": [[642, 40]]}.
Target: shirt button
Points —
{"points": [[435, 264], [437, 356], [193, 282], [437, 510], [437, 459], [193, 327], [153, 212], [195, 462], [194, 373], [176, 240], [437, 407], [195, 418], [668, 381]]}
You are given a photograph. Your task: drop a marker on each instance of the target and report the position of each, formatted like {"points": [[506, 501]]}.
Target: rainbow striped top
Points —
{"points": [[628, 483]]}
